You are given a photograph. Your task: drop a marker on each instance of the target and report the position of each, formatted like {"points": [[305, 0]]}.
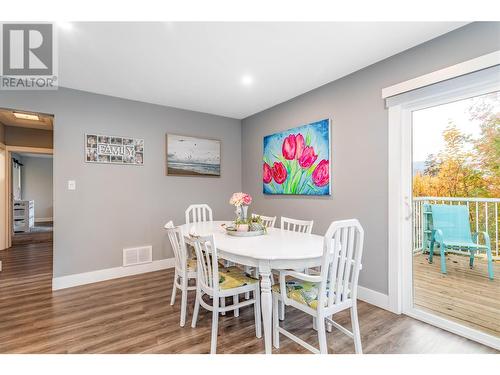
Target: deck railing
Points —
{"points": [[483, 216]]}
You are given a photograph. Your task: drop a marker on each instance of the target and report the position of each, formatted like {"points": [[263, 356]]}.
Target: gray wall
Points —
{"points": [[117, 206], [36, 184], [359, 141]]}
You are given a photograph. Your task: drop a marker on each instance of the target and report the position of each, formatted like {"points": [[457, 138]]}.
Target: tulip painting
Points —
{"points": [[297, 161]]}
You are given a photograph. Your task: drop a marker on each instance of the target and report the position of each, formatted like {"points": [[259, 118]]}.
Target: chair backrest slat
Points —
{"points": [[343, 249], [349, 262], [196, 213], [176, 238], [342, 261], [294, 225], [268, 221], [207, 262]]}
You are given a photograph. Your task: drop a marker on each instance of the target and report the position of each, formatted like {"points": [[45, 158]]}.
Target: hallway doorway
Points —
{"points": [[27, 209]]}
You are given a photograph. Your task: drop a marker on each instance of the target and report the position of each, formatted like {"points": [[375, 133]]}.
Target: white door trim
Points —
{"points": [[400, 223], [466, 67]]}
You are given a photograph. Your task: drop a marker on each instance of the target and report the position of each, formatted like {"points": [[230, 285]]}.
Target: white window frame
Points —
{"points": [[400, 204]]}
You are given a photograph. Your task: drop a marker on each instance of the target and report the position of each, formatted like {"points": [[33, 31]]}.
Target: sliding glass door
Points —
{"points": [[455, 211]]}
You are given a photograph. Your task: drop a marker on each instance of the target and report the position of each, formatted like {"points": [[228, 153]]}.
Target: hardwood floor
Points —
{"points": [[464, 295], [42, 232], [133, 315]]}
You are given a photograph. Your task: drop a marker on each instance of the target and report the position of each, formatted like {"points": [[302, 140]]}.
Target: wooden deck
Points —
{"points": [[464, 295]]}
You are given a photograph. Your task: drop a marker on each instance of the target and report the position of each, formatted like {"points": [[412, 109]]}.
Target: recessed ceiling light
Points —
{"points": [[247, 80], [26, 116], [65, 25]]}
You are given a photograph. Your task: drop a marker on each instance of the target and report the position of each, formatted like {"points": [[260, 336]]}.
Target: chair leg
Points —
{"points": [[315, 323], [184, 302], [276, 322], [471, 258], [282, 310], [323, 347], [236, 300], [215, 327], [196, 309], [490, 263], [329, 326], [257, 313], [174, 290], [248, 270], [223, 304], [443, 257], [355, 330], [431, 250]]}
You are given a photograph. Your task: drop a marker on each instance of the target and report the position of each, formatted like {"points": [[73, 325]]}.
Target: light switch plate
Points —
{"points": [[71, 185]]}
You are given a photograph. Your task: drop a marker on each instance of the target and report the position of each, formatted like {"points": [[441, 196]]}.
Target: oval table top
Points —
{"points": [[277, 244]]}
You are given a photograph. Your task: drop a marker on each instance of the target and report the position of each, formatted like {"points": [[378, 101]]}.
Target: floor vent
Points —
{"points": [[137, 255]]}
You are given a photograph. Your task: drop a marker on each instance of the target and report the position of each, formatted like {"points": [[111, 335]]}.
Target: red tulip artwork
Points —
{"points": [[300, 143], [289, 147], [297, 161], [279, 172], [308, 157], [267, 175], [321, 174]]}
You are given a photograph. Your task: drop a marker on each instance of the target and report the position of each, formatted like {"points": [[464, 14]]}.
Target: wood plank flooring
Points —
{"points": [[41, 233], [133, 315], [464, 295]]}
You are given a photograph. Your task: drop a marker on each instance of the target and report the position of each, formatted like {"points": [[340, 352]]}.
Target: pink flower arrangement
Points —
{"points": [[295, 171], [240, 199]]}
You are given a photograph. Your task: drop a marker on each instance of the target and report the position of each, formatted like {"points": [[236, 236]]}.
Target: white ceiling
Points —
{"points": [[200, 66]]}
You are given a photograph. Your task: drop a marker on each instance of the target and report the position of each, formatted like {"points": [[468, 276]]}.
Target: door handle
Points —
{"points": [[408, 209]]}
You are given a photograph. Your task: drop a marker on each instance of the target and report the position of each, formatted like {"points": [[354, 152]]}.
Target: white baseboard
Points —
{"points": [[364, 294], [69, 281], [43, 219], [374, 298]]}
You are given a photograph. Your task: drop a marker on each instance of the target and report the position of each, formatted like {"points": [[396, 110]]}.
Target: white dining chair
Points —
{"points": [[333, 290], [294, 225], [196, 213], [268, 221], [303, 226], [221, 283], [184, 268]]}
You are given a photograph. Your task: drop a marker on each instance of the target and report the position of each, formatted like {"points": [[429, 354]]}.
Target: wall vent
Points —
{"points": [[137, 255]]}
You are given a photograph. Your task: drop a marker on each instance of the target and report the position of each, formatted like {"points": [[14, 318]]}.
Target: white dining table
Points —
{"points": [[277, 249]]}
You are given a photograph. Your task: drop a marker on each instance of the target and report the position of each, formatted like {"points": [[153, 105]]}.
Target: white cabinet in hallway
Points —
{"points": [[23, 215]]}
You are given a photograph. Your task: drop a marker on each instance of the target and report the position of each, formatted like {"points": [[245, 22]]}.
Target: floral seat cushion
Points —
{"points": [[304, 292], [191, 265], [234, 277]]}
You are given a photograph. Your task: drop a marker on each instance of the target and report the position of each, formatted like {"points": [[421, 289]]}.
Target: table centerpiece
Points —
{"points": [[244, 225]]}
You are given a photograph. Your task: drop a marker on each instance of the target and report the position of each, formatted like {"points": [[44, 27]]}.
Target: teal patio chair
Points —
{"points": [[451, 230]]}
